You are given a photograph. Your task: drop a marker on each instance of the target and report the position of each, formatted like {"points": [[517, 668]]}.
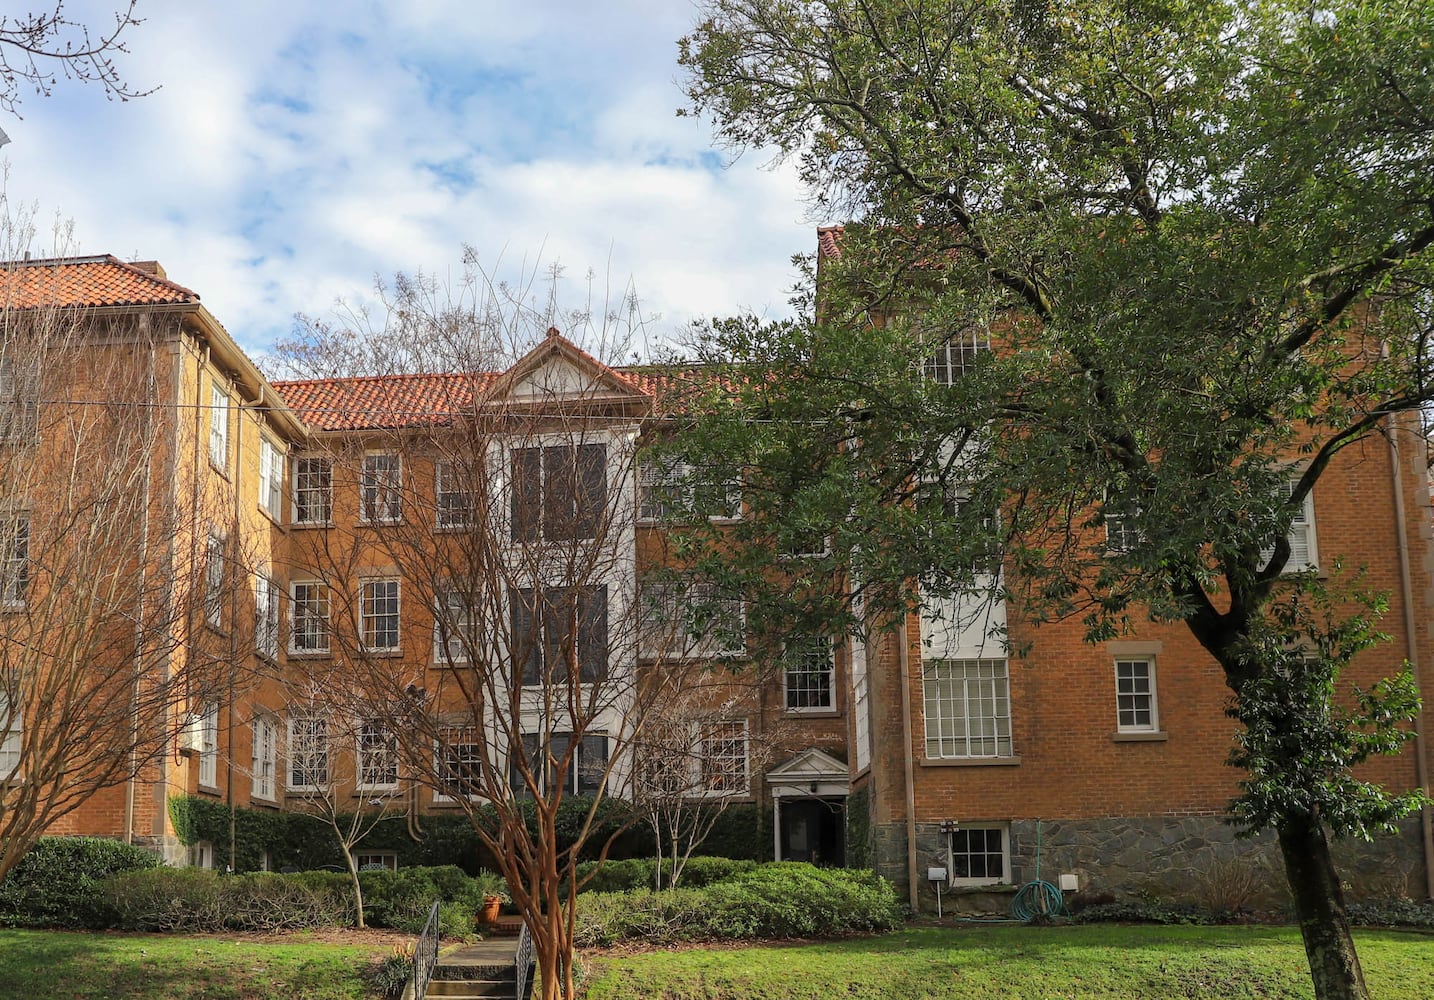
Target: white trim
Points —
{"points": [[317, 752], [218, 426], [322, 595], [15, 561], [271, 479], [381, 489], [313, 489], [811, 671], [443, 470], [1128, 703], [381, 753], [208, 769], [263, 757], [974, 851], [266, 615], [377, 617], [453, 611], [12, 745], [966, 709]]}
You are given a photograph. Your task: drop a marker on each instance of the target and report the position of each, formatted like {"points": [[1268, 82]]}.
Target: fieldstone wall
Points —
{"points": [[1194, 859]]}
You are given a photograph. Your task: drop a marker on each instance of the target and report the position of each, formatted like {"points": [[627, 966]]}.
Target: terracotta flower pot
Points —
{"points": [[491, 905]]}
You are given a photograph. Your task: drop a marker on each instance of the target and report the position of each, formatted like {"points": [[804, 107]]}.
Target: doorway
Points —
{"points": [[813, 830]]}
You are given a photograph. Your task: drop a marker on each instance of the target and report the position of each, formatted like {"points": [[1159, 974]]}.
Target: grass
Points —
{"points": [[1109, 962], [170, 967]]}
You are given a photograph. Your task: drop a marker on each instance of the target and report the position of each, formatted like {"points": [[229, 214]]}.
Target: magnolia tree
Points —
{"points": [[1198, 239]]}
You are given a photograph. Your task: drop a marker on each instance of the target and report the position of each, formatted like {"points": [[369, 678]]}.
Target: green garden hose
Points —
{"points": [[1038, 899]]}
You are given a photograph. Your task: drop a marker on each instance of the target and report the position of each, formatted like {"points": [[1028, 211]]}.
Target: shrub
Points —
{"points": [[1145, 913], [58, 881], [638, 873], [784, 899], [1392, 913], [194, 900], [390, 974], [166, 899]]}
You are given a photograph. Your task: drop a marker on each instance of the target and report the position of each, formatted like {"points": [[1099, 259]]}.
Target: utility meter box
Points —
{"points": [[936, 874], [1070, 883]]}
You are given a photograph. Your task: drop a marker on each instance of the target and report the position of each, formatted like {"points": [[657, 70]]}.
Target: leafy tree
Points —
{"points": [[1199, 232]]}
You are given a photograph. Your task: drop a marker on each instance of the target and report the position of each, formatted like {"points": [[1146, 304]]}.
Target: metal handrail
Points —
{"points": [[523, 960], [425, 955]]}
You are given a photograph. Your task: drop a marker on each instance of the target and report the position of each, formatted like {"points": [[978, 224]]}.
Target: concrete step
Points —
{"points": [[473, 989]]}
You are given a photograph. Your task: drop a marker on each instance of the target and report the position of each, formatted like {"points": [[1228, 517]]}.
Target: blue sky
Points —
{"points": [[295, 149]]}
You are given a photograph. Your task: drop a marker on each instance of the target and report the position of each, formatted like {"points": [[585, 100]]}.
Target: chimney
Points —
{"points": [[149, 267]]}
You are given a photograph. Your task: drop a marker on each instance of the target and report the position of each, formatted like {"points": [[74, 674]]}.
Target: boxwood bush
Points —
{"points": [[637, 873], [57, 882], [778, 900]]}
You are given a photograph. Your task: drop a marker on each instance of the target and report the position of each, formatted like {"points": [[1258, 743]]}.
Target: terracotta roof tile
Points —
{"points": [[85, 282], [382, 401]]}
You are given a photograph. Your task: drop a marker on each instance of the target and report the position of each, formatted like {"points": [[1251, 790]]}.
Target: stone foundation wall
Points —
{"points": [[1194, 859]]}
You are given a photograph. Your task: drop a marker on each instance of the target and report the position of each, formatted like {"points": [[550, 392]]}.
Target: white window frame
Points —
{"points": [[956, 355], [667, 624], [209, 745], [1121, 536], [1131, 700], [1301, 524], [201, 855], [808, 670], [263, 757], [271, 479], [309, 752], [266, 616], [381, 488], [665, 487], [317, 594], [447, 646], [450, 514], [313, 489], [1002, 830], [12, 745], [822, 553], [370, 860], [19, 399], [542, 529], [219, 426], [374, 614], [470, 737], [984, 684], [14, 561], [376, 755], [214, 581], [721, 771]]}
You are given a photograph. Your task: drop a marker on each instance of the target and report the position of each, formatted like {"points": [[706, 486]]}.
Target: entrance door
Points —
{"points": [[814, 830]]}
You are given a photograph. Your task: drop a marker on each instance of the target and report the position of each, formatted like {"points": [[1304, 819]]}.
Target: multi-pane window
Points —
{"points": [[980, 855], [453, 628], [1122, 530], [381, 489], [378, 614], [453, 495], [580, 773], [957, 355], [313, 490], [11, 735], [271, 478], [214, 582], [667, 487], [209, 745], [680, 619], [14, 560], [263, 757], [266, 616], [968, 708], [809, 676], [218, 426], [1135, 709], [308, 751], [19, 399], [309, 618], [722, 757], [555, 629], [1304, 554], [377, 755], [372, 861], [557, 492], [460, 764]]}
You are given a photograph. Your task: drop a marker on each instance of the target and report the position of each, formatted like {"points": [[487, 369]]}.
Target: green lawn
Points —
{"points": [[1138, 963], [36, 964]]}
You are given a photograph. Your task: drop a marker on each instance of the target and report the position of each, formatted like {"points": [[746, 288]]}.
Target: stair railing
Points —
{"points": [[523, 961], [425, 955]]}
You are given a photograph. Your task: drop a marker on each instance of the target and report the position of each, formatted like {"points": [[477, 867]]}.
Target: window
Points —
{"points": [[378, 615], [805, 544], [679, 619], [218, 426], [454, 500], [261, 773], [209, 745], [201, 855], [722, 758], [453, 629], [558, 492], [585, 768], [309, 618], [14, 560], [1135, 696], [19, 399], [266, 617], [214, 582], [957, 355], [556, 627], [1122, 532], [372, 861], [380, 489], [1304, 554], [377, 756], [12, 736], [810, 675], [665, 488], [308, 751], [271, 479], [460, 764], [313, 490], [968, 708], [980, 855]]}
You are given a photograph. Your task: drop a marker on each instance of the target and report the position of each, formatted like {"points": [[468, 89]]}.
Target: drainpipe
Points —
{"points": [[1421, 758], [908, 760], [150, 389]]}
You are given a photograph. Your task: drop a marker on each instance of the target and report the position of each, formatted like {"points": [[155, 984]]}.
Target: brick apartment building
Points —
{"points": [[322, 509]]}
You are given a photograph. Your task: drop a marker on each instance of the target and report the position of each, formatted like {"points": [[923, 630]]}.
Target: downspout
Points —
{"points": [[1421, 758], [908, 761], [235, 633], [150, 388]]}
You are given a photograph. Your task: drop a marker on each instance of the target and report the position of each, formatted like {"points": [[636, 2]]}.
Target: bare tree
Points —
{"points": [[37, 48]]}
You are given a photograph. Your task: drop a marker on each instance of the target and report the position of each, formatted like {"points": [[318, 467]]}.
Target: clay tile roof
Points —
{"points": [[382, 401], [86, 282]]}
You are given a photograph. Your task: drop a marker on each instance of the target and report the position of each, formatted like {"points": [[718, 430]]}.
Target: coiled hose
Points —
{"points": [[1037, 900]]}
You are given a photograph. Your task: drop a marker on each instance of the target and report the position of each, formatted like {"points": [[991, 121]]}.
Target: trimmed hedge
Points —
{"points": [[1392, 913], [57, 883], [639, 873], [778, 900]]}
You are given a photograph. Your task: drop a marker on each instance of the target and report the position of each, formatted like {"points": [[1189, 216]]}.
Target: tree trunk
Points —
{"points": [[1319, 906], [357, 887]]}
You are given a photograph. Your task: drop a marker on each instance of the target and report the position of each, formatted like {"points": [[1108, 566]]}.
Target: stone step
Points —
{"points": [[472, 989]]}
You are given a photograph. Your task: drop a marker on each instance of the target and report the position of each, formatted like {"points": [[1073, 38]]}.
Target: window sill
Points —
{"points": [[221, 470], [974, 888], [452, 529], [811, 713], [309, 654], [970, 761], [1148, 736], [210, 790], [382, 522], [383, 654], [311, 524], [261, 802]]}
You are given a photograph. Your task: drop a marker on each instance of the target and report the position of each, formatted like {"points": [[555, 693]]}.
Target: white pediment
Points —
{"points": [[556, 377], [807, 766]]}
